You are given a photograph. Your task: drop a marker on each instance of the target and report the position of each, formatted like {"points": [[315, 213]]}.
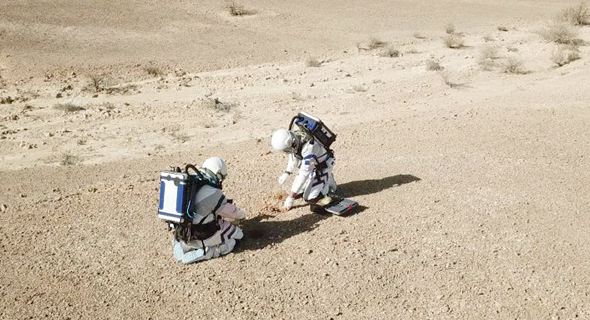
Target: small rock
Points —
{"points": [[3, 208]]}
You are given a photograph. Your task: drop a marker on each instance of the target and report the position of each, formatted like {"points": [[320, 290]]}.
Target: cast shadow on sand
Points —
{"points": [[364, 187], [259, 233]]}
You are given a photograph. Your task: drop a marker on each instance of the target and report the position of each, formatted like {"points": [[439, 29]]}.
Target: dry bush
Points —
{"points": [[488, 56], [433, 65], [564, 55], [577, 16], [67, 107], [96, 83], [153, 71], [68, 159], [562, 33], [375, 43], [450, 28], [218, 105], [390, 52], [371, 44], [313, 62], [490, 52], [513, 65], [180, 137], [235, 9], [359, 88], [454, 41]]}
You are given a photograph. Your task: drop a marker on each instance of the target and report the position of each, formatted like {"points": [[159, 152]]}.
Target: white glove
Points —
{"points": [[283, 178], [288, 203]]}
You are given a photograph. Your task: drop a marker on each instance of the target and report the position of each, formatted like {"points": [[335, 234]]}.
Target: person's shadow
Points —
{"points": [[364, 187], [259, 233]]}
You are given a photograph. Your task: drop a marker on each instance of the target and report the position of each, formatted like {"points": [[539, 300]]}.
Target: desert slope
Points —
{"points": [[473, 181]]}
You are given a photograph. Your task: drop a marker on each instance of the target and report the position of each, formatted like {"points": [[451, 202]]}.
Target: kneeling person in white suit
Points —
{"points": [[213, 212]]}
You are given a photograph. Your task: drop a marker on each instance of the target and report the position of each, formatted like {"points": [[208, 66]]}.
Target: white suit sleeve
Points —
{"points": [[292, 164], [307, 166], [230, 211]]}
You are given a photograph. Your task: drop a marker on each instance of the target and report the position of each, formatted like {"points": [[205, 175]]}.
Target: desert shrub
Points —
{"points": [[218, 105], [488, 56], [153, 71], [371, 44], [180, 137], [375, 43], [564, 55], [359, 88], [502, 28], [235, 9], [96, 83], [513, 65], [390, 52], [313, 62], [560, 32], [67, 107], [577, 16], [450, 28], [490, 51], [68, 159], [433, 65], [454, 41]]}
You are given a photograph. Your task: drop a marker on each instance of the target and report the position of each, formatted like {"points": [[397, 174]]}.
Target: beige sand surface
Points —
{"points": [[474, 183]]}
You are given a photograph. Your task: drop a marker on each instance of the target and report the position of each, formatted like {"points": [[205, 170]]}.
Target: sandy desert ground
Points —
{"points": [[471, 164]]}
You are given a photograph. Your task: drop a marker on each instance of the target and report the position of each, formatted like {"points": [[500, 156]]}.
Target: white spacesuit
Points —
{"points": [[212, 210], [314, 180]]}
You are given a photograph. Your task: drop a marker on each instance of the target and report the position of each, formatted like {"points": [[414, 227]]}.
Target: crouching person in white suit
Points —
{"points": [[314, 164], [216, 235]]}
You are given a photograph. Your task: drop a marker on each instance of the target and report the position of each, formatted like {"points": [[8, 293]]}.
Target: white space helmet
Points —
{"points": [[284, 140], [217, 166]]}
